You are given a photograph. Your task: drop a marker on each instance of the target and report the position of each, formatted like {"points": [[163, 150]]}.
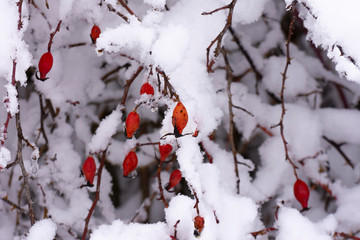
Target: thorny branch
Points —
{"points": [[167, 85], [231, 119], [284, 77], [97, 194], [258, 75], [219, 37]]}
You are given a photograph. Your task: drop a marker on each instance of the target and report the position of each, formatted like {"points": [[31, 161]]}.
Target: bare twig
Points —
{"points": [[167, 85], [243, 109], [258, 75], [41, 13], [263, 231], [52, 35], [112, 9], [341, 152], [42, 118], [284, 77], [128, 84], [345, 235], [161, 190], [14, 205], [231, 119], [22, 166], [128, 9], [115, 70], [174, 237], [97, 194], [219, 37]]}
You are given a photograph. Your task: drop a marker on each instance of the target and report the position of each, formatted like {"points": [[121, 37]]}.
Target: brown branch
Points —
{"points": [[42, 118], [231, 119], [53, 34], [126, 66], [284, 77], [128, 84], [20, 23], [97, 194], [14, 205], [22, 166], [219, 37], [263, 231], [345, 235], [243, 109], [258, 75], [128, 9], [112, 9], [167, 85], [196, 206], [41, 13], [161, 190], [337, 146], [75, 45], [174, 237]]}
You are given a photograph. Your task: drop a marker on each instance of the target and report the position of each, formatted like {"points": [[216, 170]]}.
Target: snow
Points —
{"points": [[5, 157], [292, 225], [42, 230], [135, 231], [105, 131], [83, 110]]}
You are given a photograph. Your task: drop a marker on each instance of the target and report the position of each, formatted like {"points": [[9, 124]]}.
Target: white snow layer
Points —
{"points": [[42, 230]]}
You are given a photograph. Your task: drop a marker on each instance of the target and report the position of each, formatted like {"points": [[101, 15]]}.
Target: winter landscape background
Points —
{"points": [[269, 94]]}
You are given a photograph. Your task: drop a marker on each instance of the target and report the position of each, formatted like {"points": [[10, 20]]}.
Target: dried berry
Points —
{"points": [[45, 65], [89, 170], [146, 88], [199, 224], [179, 118], [301, 192], [130, 163], [174, 180], [132, 124], [165, 150], [95, 32]]}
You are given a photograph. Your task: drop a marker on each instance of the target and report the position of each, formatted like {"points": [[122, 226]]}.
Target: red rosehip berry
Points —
{"points": [[179, 118], [165, 151], [95, 33], [132, 124], [199, 224], [301, 192], [146, 88], [45, 65], [130, 163], [174, 179], [89, 170]]}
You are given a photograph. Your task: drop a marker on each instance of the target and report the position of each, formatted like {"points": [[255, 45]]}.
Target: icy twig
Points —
{"points": [[112, 9], [128, 9]]}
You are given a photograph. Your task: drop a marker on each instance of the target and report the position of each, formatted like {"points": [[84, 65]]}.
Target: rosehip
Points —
{"points": [[179, 118], [146, 88], [132, 124], [165, 151], [89, 170], [174, 180], [301, 192], [199, 224], [45, 65], [95, 32], [130, 163]]}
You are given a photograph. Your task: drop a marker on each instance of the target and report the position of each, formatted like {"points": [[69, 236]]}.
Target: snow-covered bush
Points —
{"points": [[179, 119]]}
